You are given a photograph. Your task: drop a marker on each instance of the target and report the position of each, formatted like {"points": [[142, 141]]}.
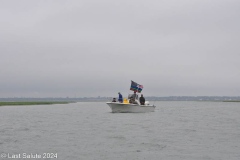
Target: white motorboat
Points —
{"points": [[127, 107], [131, 105], [130, 108]]}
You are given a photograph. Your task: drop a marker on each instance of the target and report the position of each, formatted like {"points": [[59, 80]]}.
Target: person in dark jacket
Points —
{"points": [[120, 98], [142, 100]]}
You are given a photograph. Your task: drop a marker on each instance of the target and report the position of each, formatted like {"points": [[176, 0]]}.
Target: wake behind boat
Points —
{"points": [[132, 104]]}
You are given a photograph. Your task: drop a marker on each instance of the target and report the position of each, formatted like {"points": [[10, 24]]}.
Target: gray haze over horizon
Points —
{"points": [[82, 48]]}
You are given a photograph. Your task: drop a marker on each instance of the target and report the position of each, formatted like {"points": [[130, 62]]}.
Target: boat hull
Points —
{"points": [[130, 108]]}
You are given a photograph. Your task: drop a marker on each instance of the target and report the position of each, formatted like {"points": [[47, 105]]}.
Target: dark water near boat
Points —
{"points": [[89, 131]]}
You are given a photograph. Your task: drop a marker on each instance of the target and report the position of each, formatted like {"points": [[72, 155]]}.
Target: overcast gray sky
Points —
{"points": [[59, 48]]}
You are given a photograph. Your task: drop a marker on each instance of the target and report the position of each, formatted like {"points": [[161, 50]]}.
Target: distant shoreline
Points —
{"points": [[231, 101], [52, 100], [24, 103], [30, 103]]}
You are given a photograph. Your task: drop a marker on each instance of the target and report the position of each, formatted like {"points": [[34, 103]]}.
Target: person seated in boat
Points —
{"points": [[120, 98], [131, 100], [142, 100], [114, 100]]}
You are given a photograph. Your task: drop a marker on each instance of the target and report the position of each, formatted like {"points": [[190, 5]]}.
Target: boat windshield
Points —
{"points": [[132, 95]]}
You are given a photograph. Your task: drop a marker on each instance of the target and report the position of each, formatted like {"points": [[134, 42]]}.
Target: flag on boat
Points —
{"points": [[140, 87], [136, 87]]}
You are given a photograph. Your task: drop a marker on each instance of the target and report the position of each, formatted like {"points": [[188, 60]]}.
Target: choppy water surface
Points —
{"points": [[89, 131]]}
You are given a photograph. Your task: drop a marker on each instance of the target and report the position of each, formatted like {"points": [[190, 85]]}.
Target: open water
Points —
{"points": [[89, 131]]}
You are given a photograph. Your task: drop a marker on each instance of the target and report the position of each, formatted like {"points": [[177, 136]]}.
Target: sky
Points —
{"points": [[88, 48]]}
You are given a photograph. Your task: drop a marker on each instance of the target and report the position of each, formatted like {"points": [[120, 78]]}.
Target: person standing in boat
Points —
{"points": [[135, 96], [142, 100], [120, 98]]}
